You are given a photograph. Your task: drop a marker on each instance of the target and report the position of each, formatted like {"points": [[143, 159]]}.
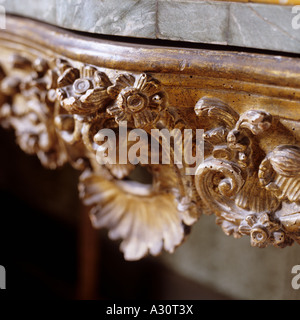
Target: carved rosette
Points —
{"points": [[58, 108], [139, 102]]}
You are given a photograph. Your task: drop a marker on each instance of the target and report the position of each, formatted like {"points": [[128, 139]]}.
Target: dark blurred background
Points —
{"points": [[50, 250]]}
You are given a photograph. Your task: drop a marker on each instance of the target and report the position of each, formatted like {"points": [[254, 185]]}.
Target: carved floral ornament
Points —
{"points": [[249, 182]]}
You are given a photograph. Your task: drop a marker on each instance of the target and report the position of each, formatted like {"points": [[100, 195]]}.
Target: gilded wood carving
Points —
{"points": [[250, 176]]}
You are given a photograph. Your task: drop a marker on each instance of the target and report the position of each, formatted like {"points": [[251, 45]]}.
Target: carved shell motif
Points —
{"points": [[146, 217]]}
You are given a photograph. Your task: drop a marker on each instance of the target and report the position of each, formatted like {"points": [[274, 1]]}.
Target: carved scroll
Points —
{"points": [[245, 187]]}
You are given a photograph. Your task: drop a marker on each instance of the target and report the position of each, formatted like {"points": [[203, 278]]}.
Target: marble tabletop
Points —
{"points": [[251, 25]]}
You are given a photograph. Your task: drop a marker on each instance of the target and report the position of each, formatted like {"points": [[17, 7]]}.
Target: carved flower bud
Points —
{"points": [[251, 219], [279, 238], [158, 99], [81, 86], [91, 101], [242, 157], [259, 237]]}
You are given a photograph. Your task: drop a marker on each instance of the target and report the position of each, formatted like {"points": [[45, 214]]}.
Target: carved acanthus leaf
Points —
{"points": [[279, 172]]}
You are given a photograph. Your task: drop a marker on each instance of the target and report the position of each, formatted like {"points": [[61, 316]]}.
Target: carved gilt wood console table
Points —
{"points": [[58, 88]]}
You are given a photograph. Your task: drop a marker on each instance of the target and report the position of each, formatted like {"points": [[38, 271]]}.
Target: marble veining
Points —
{"points": [[253, 25]]}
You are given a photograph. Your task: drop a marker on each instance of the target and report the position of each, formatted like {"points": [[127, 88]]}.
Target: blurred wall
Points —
{"points": [[232, 267]]}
